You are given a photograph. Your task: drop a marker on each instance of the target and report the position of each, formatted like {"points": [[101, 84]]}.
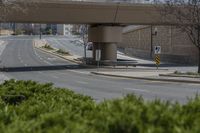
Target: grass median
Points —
{"points": [[30, 107], [47, 47]]}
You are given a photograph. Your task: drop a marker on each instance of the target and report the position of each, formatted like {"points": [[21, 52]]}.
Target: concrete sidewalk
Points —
{"points": [[147, 74]]}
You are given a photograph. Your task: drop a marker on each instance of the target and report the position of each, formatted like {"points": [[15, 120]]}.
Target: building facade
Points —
{"points": [[64, 29]]}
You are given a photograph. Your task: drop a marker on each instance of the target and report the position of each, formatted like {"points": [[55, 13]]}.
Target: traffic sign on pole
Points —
{"points": [[98, 55], [157, 50], [98, 58], [157, 60]]}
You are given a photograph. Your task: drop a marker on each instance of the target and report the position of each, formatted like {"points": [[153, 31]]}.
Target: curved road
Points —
{"points": [[19, 52]]}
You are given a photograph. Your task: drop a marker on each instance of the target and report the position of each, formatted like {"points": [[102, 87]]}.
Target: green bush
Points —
{"points": [[42, 108]]}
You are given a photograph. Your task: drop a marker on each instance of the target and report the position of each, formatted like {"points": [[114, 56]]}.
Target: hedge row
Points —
{"points": [[30, 107]]}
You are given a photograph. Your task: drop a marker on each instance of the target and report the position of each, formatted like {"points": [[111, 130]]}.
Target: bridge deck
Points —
{"points": [[61, 11]]}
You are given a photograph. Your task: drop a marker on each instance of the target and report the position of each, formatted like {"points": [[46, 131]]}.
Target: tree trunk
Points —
{"points": [[198, 42], [85, 54], [199, 62]]}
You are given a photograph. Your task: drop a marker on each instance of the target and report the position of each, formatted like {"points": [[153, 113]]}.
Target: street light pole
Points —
{"points": [[40, 31], [153, 33], [0, 29]]}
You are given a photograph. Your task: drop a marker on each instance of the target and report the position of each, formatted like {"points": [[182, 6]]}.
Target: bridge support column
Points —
{"points": [[105, 38], [108, 51]]}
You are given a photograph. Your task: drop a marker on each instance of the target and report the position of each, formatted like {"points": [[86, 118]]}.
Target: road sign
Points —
{"points": [[98, 55], [157, 50], [157, 60]]}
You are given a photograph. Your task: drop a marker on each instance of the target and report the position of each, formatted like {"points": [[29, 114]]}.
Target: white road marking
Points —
{"points": [[82, 82], [51, 59], [80, 72], [34, 48], [42, 58], [55, 77], [40, 72], [47, 62], [21, 61], [133, 89]]}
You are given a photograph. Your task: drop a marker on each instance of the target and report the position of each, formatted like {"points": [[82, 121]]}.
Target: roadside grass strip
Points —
{"points": [[30, 107], [48, 47], [62, 52]]}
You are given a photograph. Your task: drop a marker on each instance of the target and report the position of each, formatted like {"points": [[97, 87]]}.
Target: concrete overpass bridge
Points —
{"points": [[106, 19]]}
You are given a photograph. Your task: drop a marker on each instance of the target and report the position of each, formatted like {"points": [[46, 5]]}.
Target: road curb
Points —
{"points": [[58, 55], [170, 75], [146, 78]]}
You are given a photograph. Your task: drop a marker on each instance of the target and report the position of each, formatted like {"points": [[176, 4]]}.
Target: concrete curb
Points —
{"points": [[60, 56], [172, 75], [74, 61], [150, 79]]}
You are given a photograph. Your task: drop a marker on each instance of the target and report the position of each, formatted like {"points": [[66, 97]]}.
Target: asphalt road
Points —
{"points": [[19, 52], [69, 43]]}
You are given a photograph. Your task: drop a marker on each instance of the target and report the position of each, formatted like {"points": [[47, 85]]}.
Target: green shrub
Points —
{"points": [[42, 108]]}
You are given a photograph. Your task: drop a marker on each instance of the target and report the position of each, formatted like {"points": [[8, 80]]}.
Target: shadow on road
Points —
{"points": [[41, 68]]}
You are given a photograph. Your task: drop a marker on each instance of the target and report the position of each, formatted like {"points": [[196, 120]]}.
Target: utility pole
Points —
{"points": [[40, 32], [153, 33], [0, 28], [14, 28]]}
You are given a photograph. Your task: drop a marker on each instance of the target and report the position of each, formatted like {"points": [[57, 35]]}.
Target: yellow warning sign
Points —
{"points": [[157, 60]]}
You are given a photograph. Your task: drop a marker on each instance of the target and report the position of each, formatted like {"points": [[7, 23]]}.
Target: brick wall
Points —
{"points": [[176, 47]]}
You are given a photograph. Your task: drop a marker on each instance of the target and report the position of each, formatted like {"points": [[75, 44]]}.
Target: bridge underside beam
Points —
{"points": [[66, 12]]}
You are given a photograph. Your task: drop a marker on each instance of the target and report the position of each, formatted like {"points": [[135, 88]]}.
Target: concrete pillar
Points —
{"points": [[105, 38], [108, 51]]}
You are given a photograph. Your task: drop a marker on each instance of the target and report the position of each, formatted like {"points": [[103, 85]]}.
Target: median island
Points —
{"points": [[30, 107], [44, 46]]}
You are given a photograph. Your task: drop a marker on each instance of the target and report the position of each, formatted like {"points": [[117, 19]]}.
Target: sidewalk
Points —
{"points": [[147, 74]]}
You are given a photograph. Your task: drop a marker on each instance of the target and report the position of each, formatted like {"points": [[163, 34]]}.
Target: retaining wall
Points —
{"points": [[176, 46]]}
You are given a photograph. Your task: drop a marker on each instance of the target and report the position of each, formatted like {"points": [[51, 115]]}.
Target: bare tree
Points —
{"points": [[84, 37], [12, 5], [186, 15], [7, 7]]}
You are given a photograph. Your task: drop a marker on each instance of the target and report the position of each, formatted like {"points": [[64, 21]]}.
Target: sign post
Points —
{"points": [[157, 52], [98, 58]]}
